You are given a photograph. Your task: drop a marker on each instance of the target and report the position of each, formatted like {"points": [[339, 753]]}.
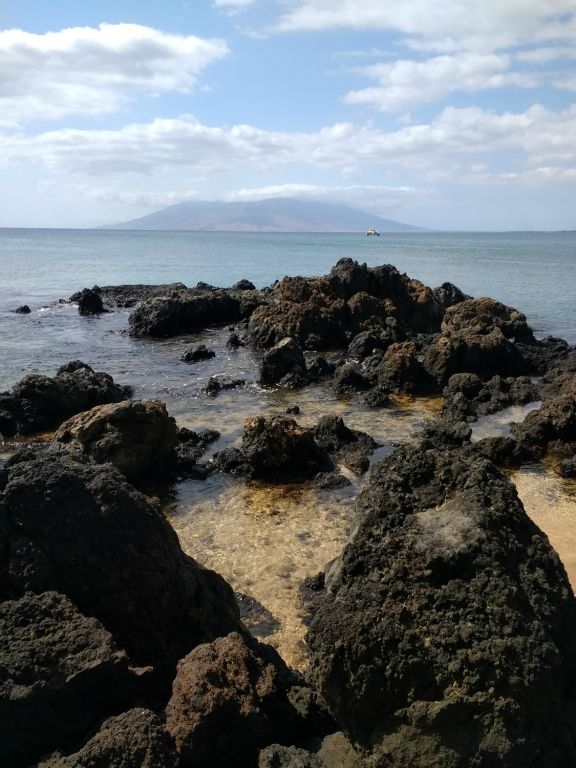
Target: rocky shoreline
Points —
{"points": [[440, 636]]}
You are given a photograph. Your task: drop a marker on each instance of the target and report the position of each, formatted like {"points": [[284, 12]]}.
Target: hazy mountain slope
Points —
{"points": [[277, 215]]}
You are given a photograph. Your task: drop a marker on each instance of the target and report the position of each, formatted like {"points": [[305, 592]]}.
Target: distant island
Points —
{"points": [[273, 215]]}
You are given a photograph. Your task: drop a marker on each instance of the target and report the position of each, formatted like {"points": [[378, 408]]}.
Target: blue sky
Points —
{"points": [[457, 114]]}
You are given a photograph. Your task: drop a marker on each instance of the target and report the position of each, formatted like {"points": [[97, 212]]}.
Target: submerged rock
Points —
{"points": [[232, 697], [61, 672], [198, 353], [24, 309], [38, 402], [445, 638], [84, 531], [137, 437], [134, 739], [346, 446]]}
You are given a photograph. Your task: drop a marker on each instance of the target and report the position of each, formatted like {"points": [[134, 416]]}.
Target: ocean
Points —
{"points": [[265, 539]]}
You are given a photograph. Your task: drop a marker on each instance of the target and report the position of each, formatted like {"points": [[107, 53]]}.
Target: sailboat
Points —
{"points": [[372, 231]]}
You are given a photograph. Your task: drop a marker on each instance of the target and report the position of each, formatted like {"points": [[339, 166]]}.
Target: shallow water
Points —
{"points": [[266, 539]]}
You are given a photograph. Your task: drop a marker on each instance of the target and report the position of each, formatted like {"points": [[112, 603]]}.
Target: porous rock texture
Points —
{"points": [[446, 638], [60, 673], [84, 531], [138, 437], [39, 402], [279, 449], [326, 312], [232, 697], [553, 424], [283, 364], [467, 396], [134, 739], [186, 310]]}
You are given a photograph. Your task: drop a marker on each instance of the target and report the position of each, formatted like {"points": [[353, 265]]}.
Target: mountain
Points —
{"points": [[273, 215]]}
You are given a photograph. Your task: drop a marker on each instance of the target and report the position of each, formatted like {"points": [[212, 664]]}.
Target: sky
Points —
{"points": [[450, 115]]}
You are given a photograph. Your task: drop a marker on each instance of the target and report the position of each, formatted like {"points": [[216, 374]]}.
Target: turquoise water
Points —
{"points": [[533, 271]]}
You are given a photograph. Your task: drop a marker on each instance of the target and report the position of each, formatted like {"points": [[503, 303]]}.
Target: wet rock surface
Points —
{"points": [[232, 697], [126, 296], [84, 531], [138, 438], [90, 302], [39, 402], [467, 396], [279, 449], [60, 673], [134, 739], [445, 635], [198, 353]]}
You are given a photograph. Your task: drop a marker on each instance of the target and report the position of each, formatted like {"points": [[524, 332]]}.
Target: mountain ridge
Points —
{"points": [[271, 215]]}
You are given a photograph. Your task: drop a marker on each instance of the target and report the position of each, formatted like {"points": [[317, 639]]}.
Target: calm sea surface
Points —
{"points": [[266, 539]]}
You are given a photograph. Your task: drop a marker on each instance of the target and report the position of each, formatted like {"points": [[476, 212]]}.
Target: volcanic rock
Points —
{"points": [[466, 395], [38, 402], [198, 353], [183, 312], [90, 302], [84, 531], [346, 446], [275, 448], [446, 636], [284, 364], [244, 285], [322, 313], [60, 673], [229, 699], [134, 739], [449, 294], [277, 756], [553, 422], [138, 437], [24, 309]]}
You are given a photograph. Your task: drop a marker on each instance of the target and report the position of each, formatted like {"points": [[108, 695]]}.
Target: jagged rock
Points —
{"points": [[38, 402], [330, 481], [84, 531], [366, 342], [277, 756], [543, 355], [229, 699], [560, 378], [134, 739], [321, 313], [568, 467], [553, 422], [444, 434], [466, 395], [283, 364], [401, 370], [346, 446], [446, 635], [234, 341], [183, 312], [130, 295], [348, 379], [503, 451], [192, 445], [137, 436], [90, 302], [448, 295], [24, 309], [60, 673], [200, 352], [275, 448], [483, 316], [378, 397], [471, 351]]}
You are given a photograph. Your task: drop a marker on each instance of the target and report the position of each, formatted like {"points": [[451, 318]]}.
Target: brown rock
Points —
{"points": [[229, 699], [138, 437]]}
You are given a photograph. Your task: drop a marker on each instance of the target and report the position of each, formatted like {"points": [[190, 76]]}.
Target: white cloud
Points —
{"points": [[86, 70], [444, 25], [356, 195], [538, 136], [544, 55], [233, 4], [405, 84]]}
